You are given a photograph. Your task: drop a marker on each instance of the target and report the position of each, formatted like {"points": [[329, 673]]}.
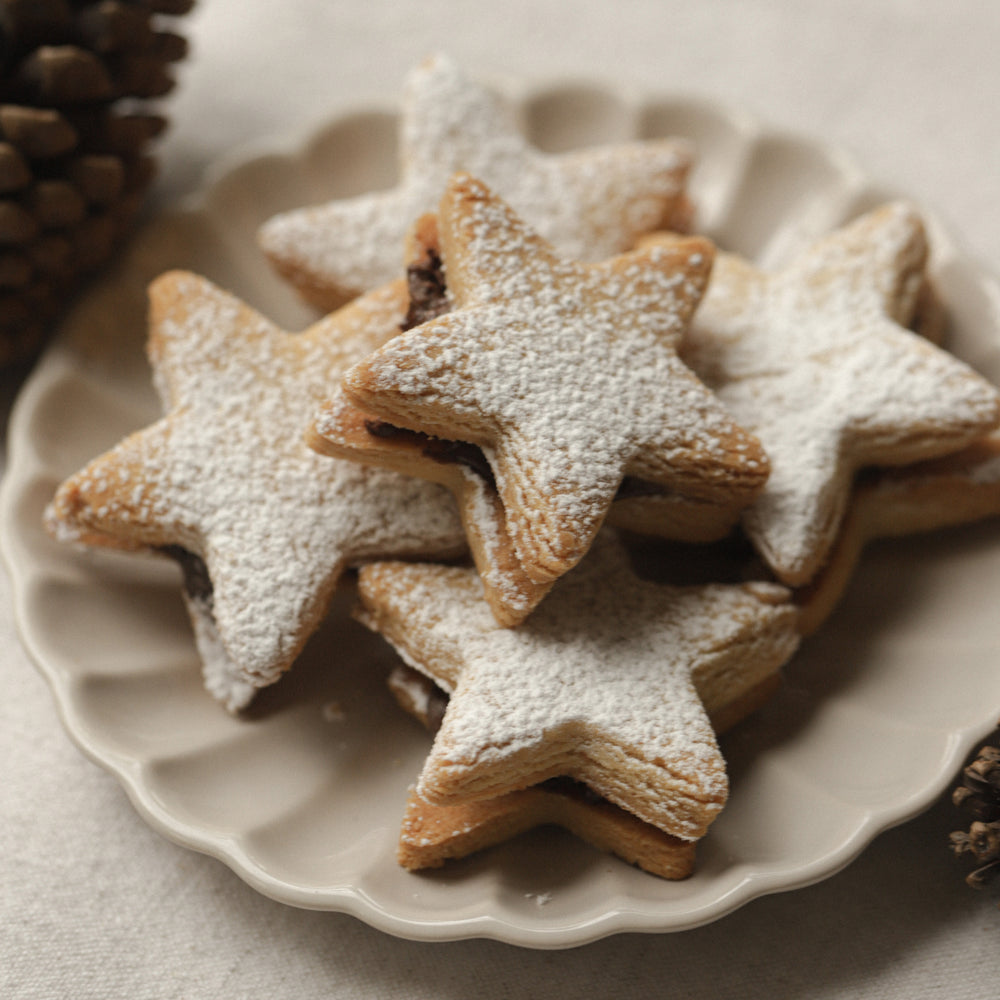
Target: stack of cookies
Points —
{"points": [[594, 477]]}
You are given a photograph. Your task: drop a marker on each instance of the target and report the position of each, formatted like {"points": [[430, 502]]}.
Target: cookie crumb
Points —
{"points": [[540, 898]]}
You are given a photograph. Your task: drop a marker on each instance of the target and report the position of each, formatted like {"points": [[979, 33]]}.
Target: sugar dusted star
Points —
{"points": [[564, 374], [261, 525], [591, 203], [814, 360], [596, 685]]}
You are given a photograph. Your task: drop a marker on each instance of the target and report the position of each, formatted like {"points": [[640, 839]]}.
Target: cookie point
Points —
{"points": [[700, 251], [695, 253], [168, 281], [902, 208], [173, 291], [462, 184], [901, 225], [435, 62], [353, 380]]}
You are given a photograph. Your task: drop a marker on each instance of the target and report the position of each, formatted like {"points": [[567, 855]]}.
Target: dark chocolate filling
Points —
{"points": [[197, 582], [428, 291], [633, 486], [438, 449], [572, 788], [470, 455]]}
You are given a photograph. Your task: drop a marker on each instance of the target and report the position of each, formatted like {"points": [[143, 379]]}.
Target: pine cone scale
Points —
{"points": [[64, 74], [76, 128], [15, 270], [111, 27], [17, 226], [14, 171], [978, 796], [40, 133], [100, 178]]}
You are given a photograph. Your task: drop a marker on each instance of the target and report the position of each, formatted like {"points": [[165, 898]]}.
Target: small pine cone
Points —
{"points": [[76, 127], [978, 797]]}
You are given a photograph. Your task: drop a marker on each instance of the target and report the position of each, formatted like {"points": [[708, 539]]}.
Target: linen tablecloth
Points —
{"points": [[95, 904]]}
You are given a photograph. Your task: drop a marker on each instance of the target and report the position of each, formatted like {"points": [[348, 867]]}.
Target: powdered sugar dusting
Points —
{"points": [[565, 374], [602, 670], [227, 474], [811, 362], [592, 204]]}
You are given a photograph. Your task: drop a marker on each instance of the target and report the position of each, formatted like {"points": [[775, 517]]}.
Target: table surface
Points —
{"points": [[95, 904]]}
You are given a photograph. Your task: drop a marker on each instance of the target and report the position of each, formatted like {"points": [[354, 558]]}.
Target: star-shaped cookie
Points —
{"points": [[591, 203], [596, 685], [563, 374], [261, 525], [432, 834], [913, 499], [815, 361]]}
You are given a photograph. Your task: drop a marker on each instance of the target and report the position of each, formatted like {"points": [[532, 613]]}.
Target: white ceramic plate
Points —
{"points": [[303, 798]]}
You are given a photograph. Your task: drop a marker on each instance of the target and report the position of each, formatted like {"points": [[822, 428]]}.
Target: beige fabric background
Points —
{"points": [[96, 905]]}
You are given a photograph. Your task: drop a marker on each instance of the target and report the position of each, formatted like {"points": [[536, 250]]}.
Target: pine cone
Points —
{"points": [[76, 79], [979, 798]]}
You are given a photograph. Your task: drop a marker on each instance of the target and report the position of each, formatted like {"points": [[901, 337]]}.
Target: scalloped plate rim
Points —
{"points": [[23, 468]]}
